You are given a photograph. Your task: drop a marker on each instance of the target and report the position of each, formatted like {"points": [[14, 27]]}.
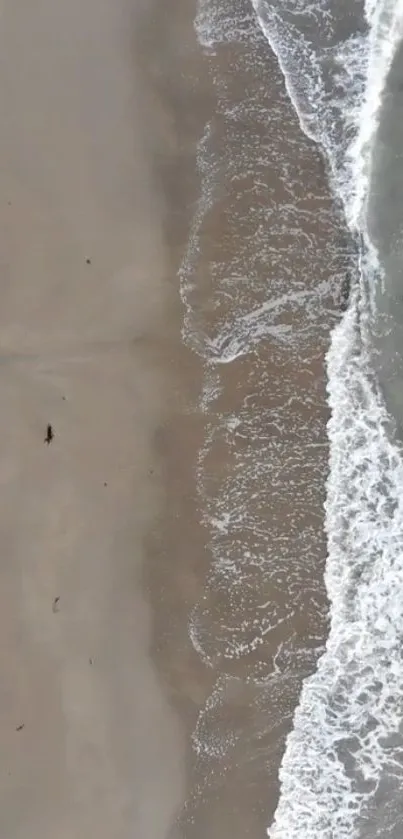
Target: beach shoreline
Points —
{"points": [[240, 606], [139, 698]]}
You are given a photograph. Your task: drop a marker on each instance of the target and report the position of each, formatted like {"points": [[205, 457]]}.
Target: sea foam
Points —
{"points": [[346, 737]]}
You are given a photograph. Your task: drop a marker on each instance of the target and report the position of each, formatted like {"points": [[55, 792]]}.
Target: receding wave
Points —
{"points": [[342, 764]]}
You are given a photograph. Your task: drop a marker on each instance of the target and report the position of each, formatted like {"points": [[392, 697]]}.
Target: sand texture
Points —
{"points": [[88, 742]]}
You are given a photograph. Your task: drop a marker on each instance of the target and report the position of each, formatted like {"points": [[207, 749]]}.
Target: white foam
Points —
{"points": [[351, 703], [386, 30], [244, 323], [327, 118], [351, 698], [335, 755]]}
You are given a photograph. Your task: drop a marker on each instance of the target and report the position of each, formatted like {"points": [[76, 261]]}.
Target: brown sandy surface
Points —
{"points": [[89, 337]]}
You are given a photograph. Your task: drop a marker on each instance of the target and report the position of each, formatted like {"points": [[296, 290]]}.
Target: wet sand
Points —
{"points": [[89, 325]]}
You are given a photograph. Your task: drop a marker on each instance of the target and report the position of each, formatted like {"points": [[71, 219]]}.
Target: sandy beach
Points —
{"points": [[88, 324]]}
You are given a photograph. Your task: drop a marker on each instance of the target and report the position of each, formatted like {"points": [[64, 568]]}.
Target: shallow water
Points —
{"points": [[262, 283], [272, 258], [341, 769]]}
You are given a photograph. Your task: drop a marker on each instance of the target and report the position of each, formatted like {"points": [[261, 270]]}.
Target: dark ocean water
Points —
{"points": [[385, 221]]}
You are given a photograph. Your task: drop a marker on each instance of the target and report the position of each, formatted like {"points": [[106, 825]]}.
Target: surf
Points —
{"points": [[341, 763]]}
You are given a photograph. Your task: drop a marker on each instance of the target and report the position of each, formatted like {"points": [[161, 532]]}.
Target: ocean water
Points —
{"points": [[269, 256], [261, 283], [341, 774]]}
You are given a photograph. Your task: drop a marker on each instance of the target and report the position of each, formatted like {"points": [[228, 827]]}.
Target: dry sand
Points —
{"points": [[87, 316]]}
